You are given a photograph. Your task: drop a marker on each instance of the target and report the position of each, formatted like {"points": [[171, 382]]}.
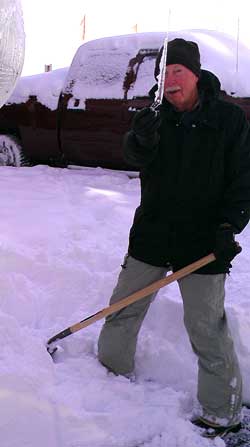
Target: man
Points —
{"points": [[194, 161]]}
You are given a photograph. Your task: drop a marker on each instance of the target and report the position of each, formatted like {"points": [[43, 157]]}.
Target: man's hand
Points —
{"points": [[145, 124], [226, 248]]}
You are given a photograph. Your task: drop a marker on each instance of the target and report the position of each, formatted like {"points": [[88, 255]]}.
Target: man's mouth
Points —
{"points": [[173, 89]]}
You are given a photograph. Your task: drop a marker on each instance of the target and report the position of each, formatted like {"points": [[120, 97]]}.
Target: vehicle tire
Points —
{"points": [[11, 153]]}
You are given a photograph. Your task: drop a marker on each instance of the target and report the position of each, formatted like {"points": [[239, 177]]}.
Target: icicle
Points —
{"points": [[161, 76]]}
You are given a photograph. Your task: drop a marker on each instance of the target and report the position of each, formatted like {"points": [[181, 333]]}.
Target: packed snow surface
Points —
{"points": [[64, 234]]}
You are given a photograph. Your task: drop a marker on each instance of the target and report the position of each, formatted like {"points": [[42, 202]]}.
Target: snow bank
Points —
{"points": [[63, 237]]}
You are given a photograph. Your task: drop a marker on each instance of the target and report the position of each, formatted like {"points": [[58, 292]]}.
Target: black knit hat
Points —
{"points": [[181, 51]]}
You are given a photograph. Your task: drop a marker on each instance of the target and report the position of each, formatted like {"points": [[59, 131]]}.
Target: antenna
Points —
{"points": [[235, 80], [237, 46]]}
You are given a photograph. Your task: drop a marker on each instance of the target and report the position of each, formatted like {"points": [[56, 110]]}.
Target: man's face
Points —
{"points": [[180, 87]]}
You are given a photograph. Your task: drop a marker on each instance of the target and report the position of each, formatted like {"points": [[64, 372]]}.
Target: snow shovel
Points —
{"points": [[136, 296]]}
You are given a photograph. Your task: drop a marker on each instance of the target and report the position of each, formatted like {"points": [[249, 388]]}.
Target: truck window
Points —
{"points": [[97, 74], [144, 80]]}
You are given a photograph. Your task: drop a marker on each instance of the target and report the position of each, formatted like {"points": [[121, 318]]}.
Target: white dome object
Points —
{"points": [[12, 40]]}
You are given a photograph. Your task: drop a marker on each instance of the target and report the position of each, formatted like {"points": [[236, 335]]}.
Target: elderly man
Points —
{"points": [[194, 162]]}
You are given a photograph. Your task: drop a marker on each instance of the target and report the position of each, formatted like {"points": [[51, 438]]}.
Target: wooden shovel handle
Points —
{"points": [[136, 296]]}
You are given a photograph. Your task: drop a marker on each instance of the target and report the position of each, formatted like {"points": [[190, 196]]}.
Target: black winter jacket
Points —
{"points": [[195, 178]]}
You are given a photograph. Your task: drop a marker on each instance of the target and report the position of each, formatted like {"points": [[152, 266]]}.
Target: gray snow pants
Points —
{"points": [[219, 377]]}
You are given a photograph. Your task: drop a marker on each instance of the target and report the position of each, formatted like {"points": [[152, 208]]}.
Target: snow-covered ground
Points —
{"points": [[63, 237]]}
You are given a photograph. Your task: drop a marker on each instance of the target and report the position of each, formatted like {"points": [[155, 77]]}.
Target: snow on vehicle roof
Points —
{"points": [[99, 67], [46, 86]]}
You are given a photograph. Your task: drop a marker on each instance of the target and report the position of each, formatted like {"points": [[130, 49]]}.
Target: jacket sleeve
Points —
{"points": [[137, 152], [236, 201]]}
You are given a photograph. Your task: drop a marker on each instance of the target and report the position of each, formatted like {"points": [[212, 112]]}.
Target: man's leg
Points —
{"points": [[118, 337], [219, 378]]}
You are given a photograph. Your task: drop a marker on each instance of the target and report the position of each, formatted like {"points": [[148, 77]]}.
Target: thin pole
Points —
{"points": [[237, 46]]}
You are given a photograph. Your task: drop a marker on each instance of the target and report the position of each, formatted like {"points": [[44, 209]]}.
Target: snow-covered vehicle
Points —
{"points": [[78, 115]]}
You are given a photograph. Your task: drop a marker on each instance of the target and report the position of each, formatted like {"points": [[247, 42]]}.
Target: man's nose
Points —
{"points": [[170, 79]]}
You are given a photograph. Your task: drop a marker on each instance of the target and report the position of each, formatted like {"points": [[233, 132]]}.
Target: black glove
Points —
{"points": [[145, 124], [226, 248]]}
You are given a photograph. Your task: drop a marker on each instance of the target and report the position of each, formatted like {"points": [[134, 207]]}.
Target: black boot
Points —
{"points": [[211, 430]]}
